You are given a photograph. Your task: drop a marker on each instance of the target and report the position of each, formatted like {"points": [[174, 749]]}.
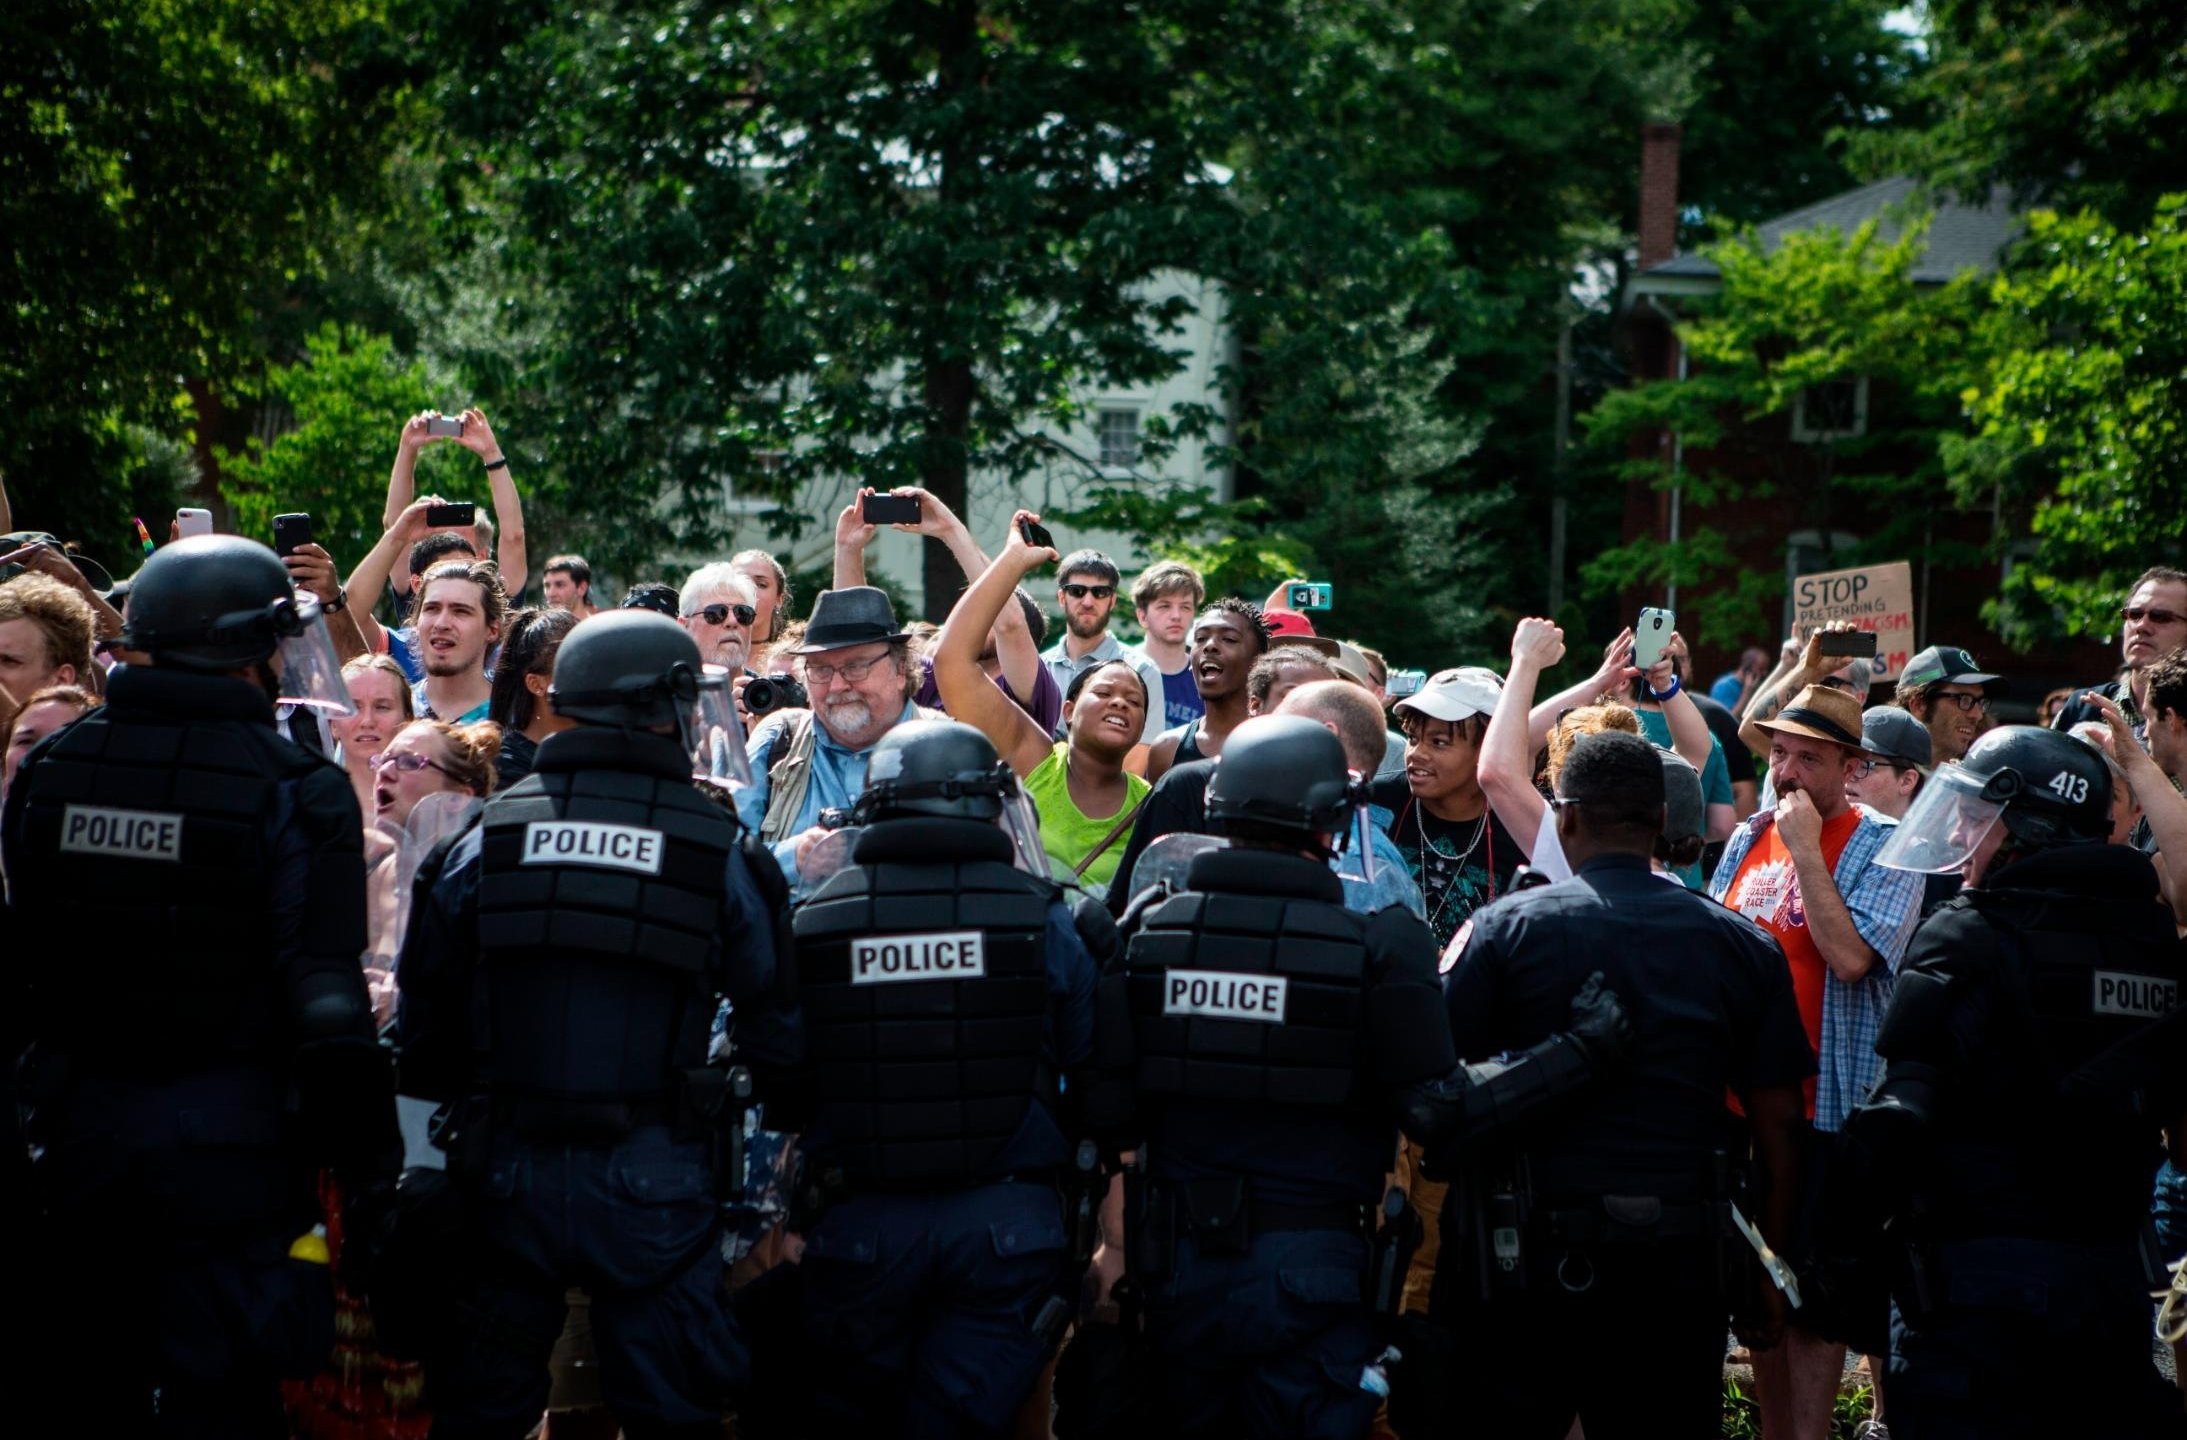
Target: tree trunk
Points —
{"points": [[949, 387]]}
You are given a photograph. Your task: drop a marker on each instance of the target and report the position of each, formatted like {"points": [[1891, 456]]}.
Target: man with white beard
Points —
{"points": [[861, 674]]}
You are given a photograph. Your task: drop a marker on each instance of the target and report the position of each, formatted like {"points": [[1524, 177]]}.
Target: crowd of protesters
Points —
{"points": [[1785, 779]]}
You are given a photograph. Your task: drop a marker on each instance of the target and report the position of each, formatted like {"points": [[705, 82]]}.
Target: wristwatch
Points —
{"points": [[340, 601]]}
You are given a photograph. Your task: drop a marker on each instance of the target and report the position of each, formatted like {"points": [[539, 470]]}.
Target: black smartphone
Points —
{"points": [[892, 510], [1036, 534], [290, 532], [1853, 644], [440, 516]]}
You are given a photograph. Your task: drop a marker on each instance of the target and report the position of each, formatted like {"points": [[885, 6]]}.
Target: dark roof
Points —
{"points": [[1961, 237]]}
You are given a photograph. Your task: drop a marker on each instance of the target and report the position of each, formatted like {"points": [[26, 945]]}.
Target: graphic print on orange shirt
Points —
{"points": [[1766, 890]]}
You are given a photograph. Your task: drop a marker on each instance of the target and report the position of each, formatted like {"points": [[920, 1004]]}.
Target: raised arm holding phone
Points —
{"points": [[1085, 795], [473, 433]]}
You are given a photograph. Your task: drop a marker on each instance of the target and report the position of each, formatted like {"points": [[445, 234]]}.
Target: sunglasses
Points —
{"points": [[409, 764], [717, 614], [1080, 592], [2135, 614]]}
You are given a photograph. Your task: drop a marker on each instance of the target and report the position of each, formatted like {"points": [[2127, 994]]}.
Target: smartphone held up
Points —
{"points": [[880, 509], [446, 426], [1651, 634]]}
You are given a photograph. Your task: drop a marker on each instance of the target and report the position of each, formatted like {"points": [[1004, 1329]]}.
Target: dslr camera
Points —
{"points": [[766, 694]]}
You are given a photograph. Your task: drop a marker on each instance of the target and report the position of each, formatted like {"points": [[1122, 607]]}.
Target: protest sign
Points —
{"points": [[1874, 597]]}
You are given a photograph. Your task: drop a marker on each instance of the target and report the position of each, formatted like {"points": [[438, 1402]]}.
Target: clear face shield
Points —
{"points": [[830, 853], [1020, 820], [307, 672], [712, 733], [1948, 821], [1168, 860]]}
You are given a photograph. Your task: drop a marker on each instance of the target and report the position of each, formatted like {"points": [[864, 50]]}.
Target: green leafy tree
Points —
{"points": [[1824, 308], [2080, 102], [180, 176], [342, 405], [2080, 417]]}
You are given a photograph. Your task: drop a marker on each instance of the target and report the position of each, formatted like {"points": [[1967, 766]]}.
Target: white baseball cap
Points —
{"points": [[1458, 694]]}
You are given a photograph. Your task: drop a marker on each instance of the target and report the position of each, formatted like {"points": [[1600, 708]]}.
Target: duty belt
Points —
{"points": [[1614, 1220], [541, 1118], [1223, 1213]]}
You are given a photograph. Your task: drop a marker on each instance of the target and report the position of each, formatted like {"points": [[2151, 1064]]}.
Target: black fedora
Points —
{"points": [[855, 615]]}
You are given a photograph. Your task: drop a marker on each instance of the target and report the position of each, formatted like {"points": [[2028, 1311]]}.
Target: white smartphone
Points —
{"points": [[1651, 635], [193, 522]]}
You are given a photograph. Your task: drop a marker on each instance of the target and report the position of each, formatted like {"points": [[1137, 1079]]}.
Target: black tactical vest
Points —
{"points": [[599, 915], [2074, 1082], [1249, 999], [925, 994], [142, 882]]}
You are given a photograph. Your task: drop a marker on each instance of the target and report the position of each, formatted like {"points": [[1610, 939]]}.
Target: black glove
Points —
{"points": [[1599, 1021]]}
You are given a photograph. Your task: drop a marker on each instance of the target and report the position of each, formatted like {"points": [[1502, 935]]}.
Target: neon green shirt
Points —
{"points": [[1068, 833]]}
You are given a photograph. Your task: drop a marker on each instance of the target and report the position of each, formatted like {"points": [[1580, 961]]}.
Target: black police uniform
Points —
{"points": [[949, 1000], [559, 981], [2035, 1022], [1268, 1036], [1616, 1202], [186, 915]]}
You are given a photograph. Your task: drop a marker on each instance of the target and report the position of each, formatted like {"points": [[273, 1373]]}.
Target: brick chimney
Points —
{"points": [[1658, 192]]}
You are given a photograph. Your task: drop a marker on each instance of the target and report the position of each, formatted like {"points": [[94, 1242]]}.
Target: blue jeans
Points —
{"points": [[920, 1309], [635, 1225]]}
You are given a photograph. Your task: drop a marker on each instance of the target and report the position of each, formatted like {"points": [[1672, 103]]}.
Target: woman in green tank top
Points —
{"points": [[1085, 796]]}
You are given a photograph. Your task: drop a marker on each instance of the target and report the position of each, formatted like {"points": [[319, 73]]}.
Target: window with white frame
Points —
{"points": [[1117, 429], [1832, 410]]}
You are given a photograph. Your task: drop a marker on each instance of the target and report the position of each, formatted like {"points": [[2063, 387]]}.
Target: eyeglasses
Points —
{"points": [[716, 614], [852, 671], [1080, 592], [1867, 768], [2135, 614], [1968, 704], [409, 764]]}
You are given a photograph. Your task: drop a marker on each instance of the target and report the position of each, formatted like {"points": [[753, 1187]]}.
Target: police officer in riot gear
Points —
{"points": [[2033, 1053], [1606, 1237], [949, 1004], [1262, 1046], [188, 1077], [560, 975]]}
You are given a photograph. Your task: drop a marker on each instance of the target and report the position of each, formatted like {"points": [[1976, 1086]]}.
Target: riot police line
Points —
{"points": [[990, 1084]]}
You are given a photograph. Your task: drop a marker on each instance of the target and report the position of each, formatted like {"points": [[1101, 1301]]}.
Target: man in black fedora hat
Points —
{"points": [[858, 666]]}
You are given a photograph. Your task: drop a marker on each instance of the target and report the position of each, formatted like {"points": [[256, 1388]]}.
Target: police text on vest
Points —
{"points": [[590, 842], [950, 955], [136, 834], [1220, 995], [2150, 995]]}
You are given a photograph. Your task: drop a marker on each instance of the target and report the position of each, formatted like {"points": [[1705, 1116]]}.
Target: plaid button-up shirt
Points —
{"points": [[1886, 906]]}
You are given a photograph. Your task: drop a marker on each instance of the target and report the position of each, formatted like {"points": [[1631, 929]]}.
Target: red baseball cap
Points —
{"points": [[1286, 624]]}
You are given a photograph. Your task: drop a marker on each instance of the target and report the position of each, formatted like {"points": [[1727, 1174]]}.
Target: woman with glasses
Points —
{"points": [[521, 679], [432, 757], [1086, 798]]}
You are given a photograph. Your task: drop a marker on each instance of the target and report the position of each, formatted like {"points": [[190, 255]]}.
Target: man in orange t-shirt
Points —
{"points": [[1804, 872]]}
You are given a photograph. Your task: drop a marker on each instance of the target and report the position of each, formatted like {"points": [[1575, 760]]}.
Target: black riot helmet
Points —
{"points": [[212, 603], [940, 768], [2064, 788], [1281, 772], [626, 667], [2045, 788]]}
